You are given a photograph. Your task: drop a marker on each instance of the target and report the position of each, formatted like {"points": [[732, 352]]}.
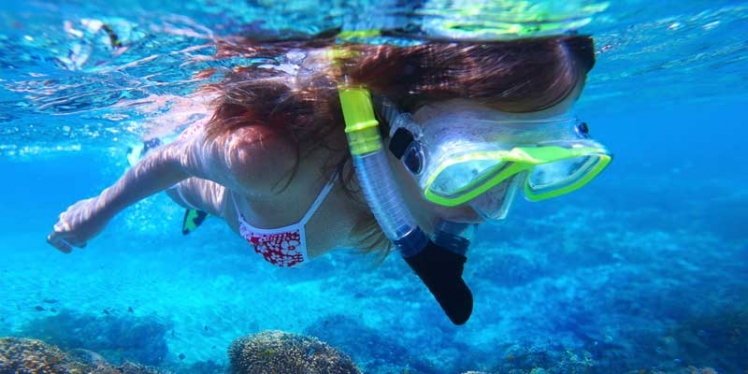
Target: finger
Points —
{"points": [[73, 242], [68, 244], [59, 243], [65, 239], [60, 226]]}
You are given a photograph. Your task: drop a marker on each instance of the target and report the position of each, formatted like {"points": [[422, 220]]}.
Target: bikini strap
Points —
{"points": [[317, 202], [320, 199], [236, 207]]}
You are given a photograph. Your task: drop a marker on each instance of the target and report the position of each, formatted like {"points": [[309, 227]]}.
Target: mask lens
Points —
{"points": [[494, 204], [561, 174], [461, 178]]}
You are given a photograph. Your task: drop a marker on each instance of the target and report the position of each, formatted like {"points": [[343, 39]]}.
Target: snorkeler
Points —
{"points": [[374, 148]]}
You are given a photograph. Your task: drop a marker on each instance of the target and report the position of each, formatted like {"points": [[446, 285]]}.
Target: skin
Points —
{"points": [[211, 175]]}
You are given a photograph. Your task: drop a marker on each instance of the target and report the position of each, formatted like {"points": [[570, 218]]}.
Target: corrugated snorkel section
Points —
{"points": [[374, 174]]}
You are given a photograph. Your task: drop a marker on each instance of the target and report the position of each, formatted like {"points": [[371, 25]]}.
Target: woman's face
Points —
{"points": [[426, 212]]}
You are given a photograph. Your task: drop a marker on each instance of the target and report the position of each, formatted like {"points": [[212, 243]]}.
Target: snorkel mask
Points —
{"points": [[464, 155]]}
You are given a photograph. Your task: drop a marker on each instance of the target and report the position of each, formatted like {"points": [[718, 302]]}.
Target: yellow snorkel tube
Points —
{"points": [[438, 266], [374, 174]]}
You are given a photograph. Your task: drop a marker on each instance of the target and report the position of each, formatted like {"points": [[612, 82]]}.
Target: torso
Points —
{"points": [[331, 225]]}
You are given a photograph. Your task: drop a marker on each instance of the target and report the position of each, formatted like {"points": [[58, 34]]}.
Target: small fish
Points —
{"points": [[39, 308], [206, 327], [182, 356], [113, 38], [105, 312], [129, 309], [50, 301]]}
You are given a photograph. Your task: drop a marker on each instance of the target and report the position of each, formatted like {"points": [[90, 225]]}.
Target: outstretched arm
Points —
{"points": [[251, 160], [160, 169]]}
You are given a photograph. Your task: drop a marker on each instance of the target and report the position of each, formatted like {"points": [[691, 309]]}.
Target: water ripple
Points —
{"points": [[114, 67]]}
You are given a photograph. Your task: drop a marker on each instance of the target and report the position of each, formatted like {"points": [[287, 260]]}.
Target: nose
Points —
{"points": [[494, 204], [462, 214]]}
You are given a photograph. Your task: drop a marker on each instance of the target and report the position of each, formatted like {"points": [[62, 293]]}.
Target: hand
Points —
{"points": [[78, 224]]}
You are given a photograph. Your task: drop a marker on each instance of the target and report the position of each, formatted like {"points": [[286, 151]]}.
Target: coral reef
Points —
{"points": [[379, 352], [202, 367], [718, 338], [686, 370], [119, 338], [33, 356], [546, 359], [280, 352], [553, 358], [29, 356]]}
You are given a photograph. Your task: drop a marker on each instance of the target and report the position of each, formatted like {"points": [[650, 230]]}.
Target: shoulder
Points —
{"points": [[259, 160], [252, 160]]}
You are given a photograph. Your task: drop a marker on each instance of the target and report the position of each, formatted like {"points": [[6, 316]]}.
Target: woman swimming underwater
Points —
{"points": [[374, 147]]}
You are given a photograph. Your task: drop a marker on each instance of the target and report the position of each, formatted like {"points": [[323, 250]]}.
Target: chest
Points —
{"points": [[318, 221]]}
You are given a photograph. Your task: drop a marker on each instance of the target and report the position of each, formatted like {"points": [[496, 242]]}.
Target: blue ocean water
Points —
{"points": [[644, 269]]}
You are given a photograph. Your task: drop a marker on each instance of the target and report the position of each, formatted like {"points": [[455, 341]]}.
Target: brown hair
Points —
{"points": [[513, 76]]}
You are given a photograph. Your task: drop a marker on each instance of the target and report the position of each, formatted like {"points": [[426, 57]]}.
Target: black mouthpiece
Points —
{"points": [[441, 271]]}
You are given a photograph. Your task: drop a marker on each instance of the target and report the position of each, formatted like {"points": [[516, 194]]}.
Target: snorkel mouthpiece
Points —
{"points": [[439, 268], [441, 271]]}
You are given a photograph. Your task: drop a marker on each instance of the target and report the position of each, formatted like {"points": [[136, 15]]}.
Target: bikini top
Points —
{"points": [[284, 246]]}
